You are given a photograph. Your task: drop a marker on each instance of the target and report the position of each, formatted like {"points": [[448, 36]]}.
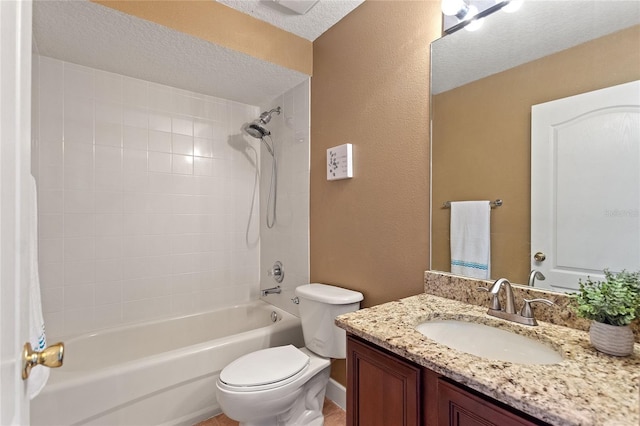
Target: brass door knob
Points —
{"points": [[539, 256], [51, 357]]}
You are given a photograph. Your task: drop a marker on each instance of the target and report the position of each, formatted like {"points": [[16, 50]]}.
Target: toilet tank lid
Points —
{"points": [[328, 294]]}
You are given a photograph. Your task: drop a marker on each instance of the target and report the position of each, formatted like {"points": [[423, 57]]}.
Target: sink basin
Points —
{"points": [[489, 342]]}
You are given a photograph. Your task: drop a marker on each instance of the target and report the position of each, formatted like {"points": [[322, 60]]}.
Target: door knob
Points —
{"points": [[539, 256], [51, 357]]}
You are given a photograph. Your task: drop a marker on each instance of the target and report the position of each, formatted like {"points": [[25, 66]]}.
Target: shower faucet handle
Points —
{"points": [[276, 272]]}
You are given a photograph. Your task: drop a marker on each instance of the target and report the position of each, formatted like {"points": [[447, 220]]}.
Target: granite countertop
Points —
{"points": [[586, 388]]}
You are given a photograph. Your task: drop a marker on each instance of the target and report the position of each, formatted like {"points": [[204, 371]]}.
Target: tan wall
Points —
{"points": [[370, 87], [481, 135], [224, 26]]}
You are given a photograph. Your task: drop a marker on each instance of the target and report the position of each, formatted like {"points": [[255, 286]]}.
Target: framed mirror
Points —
{"points": [[483, 87]]}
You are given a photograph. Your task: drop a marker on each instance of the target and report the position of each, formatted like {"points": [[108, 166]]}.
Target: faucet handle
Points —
{"points": [[277, 272], [495, 302], [527, 310]]}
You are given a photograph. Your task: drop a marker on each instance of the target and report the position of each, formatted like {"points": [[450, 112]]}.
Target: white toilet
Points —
{"points": [[285, 385]]}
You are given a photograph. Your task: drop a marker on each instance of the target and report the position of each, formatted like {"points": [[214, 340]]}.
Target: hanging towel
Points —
{"points": [[470, 239], [39, 374]]}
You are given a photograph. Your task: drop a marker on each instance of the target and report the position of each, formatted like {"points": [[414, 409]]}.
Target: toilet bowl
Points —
{"points": [[274, 403], [285, 385]]}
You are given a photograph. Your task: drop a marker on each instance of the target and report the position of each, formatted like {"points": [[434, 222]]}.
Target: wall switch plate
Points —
{"points": [[340, 162]]}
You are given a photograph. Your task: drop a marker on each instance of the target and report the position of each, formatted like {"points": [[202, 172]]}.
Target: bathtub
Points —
{"points": [[157, 373]]}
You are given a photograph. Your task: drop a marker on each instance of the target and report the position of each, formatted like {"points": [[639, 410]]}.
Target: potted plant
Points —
{"points": [[612, 305]]}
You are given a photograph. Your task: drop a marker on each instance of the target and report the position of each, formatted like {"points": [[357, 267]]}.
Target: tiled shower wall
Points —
{"points": [[288, 240], [148, 200]]}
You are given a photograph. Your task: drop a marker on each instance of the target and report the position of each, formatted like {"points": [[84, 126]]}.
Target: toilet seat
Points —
{"points": [[265, 369]]}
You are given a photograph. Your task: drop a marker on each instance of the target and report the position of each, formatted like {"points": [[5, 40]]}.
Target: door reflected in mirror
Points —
{"points": [[484, 85], [585, 185]]}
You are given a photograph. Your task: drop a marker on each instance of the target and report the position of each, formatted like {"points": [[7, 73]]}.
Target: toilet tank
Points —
{"points": [[319, 305]]}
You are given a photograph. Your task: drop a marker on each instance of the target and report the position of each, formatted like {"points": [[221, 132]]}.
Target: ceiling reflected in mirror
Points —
{"points": [[538, 29]]}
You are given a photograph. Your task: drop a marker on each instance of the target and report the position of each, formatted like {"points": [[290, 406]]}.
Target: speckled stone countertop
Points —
{"points": [[586, 388], [465, 289]]}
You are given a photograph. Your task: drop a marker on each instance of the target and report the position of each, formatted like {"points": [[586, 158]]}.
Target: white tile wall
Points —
{"points": [[288, 240], [145, 199]]}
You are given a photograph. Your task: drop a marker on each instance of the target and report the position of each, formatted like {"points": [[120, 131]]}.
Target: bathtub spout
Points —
{"points": [[272, 290]]}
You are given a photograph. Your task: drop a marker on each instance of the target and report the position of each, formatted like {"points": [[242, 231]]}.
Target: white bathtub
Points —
{"points": [[157, 373]]}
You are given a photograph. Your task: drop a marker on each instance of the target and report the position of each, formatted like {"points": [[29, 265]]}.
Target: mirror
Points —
{"points": [[483, 86]]}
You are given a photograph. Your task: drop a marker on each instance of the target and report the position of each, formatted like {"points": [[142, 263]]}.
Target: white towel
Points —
{"points": [[470, 239], [39, 374]]}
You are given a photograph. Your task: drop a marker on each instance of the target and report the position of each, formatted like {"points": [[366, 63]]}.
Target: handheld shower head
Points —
{"points": [[257, 127]]}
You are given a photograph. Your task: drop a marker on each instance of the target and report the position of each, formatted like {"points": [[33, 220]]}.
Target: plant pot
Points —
{"points": [[611, 339]]}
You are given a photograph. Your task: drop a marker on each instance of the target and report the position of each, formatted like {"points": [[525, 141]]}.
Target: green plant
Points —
{"points": [[615, 301]]}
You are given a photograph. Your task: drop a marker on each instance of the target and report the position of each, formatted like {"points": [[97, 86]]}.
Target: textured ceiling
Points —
{"points": [[537, 29], [89, 34], [322, 16]]}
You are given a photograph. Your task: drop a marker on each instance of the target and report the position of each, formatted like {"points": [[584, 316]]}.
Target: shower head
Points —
{"points": [[257, 127]]}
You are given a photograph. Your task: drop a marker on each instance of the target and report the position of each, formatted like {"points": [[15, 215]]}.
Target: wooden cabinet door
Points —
{"points": [[457, 407], [382, 390]]}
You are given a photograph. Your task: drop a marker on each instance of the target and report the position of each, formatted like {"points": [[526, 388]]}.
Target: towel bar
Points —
{"points": [[493, 204]]}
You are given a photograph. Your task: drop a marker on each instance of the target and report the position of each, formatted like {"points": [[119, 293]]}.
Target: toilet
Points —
{"points": [[285, 385]]}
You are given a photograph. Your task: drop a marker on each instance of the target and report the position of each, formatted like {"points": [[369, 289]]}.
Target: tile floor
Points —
{"points": [[333, 416]]}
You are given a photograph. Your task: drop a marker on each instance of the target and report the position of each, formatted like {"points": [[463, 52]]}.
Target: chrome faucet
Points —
{"points": [[272, 290], [533, 275], [277, 272], [525, 316], [495, 291]]}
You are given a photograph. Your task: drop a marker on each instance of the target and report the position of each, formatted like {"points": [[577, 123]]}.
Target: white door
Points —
{"points": [[585, 185], [15, 124]]}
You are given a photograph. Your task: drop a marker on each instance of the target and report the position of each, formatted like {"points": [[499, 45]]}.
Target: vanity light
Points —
{"points": [[511, 6], [468, 15], [458, 8], [474, 23]]}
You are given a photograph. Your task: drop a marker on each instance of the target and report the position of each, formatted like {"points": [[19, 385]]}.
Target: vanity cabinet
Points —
{"points": [[458, 407], [384, 389]]}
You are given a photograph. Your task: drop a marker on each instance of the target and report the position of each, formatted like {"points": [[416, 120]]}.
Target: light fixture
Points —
{"points": [[511, 6], [298, 6], [474, 22], [467, 14], [458, 8]]}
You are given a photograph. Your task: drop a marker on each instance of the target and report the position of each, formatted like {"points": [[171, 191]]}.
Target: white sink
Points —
{"points": [[489, 342]]}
